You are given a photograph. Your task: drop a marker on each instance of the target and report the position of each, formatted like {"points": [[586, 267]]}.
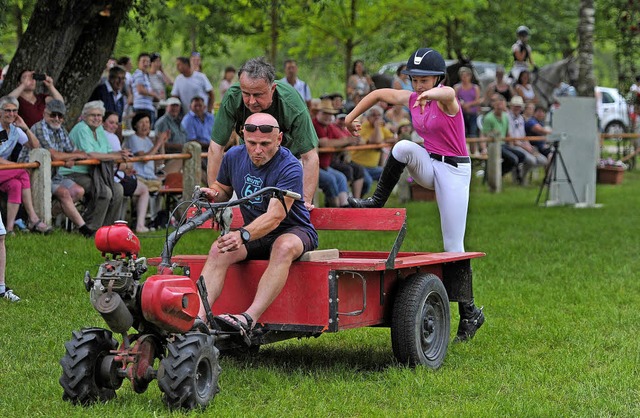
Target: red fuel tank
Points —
{"points": [[170, 302], [117, 239]]}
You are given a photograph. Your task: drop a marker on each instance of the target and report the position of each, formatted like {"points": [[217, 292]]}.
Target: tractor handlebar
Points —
{"points": [[211, 209]]}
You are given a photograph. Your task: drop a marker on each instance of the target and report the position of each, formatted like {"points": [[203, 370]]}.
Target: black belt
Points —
{"points": [[450, 160]]}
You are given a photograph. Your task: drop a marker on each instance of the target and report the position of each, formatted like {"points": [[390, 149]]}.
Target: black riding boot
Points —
{"points": [[388, 179], [471, 318]]}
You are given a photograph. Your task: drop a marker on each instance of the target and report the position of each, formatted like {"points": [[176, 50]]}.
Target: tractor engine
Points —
{"points": [[168, 302]]}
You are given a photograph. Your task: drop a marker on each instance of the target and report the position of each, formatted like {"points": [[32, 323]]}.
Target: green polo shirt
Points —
{"points": [[490, 123], [287, 107]]}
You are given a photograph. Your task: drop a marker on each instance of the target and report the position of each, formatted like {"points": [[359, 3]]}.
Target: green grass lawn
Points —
{"points": [[561, 292]]}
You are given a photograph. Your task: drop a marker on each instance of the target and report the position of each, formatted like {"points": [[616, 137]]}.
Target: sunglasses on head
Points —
{"points": [[265, 129]]}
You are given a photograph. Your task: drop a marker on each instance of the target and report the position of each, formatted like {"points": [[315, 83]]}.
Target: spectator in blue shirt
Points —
{"points": [[198, 123]]}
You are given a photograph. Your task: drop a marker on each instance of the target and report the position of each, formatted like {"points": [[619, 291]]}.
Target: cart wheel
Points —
{"points": [[421, 323], [82, 365], [188, 375]]}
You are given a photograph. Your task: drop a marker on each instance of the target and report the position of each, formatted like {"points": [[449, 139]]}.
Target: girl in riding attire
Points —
{"points": [[442, 164]]}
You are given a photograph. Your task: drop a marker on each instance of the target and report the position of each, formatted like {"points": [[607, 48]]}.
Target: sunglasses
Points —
{"points": [[54, 115], [265, 129]]}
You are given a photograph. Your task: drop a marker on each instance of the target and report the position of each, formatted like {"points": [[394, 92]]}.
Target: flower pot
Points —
{"points": [[610, 175], [420, 193]]}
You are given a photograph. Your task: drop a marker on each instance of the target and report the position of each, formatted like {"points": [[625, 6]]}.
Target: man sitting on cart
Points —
{"points": [[271, 231]]}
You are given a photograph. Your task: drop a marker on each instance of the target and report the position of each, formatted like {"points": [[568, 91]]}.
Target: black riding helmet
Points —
{"points": [[426, 61]]}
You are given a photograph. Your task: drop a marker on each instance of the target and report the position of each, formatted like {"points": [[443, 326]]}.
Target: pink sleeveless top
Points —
{"points": [[443, 134]]}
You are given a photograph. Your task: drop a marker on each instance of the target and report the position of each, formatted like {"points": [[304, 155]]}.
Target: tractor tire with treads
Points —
{"points": [[188, 375], [82, 365]]}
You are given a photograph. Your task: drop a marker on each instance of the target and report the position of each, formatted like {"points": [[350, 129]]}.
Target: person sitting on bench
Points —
{"points": [[270, 230]]}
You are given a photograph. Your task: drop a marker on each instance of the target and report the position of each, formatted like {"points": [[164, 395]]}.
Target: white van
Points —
{"points": [[613, 111]]}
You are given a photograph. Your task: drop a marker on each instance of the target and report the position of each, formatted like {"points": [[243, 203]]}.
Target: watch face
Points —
{"points": [[245, 235]]}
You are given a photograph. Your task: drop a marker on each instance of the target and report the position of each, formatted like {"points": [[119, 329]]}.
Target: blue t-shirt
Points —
{"points": [[144, 169], [283, 171], [196, 129], [528, 126]]}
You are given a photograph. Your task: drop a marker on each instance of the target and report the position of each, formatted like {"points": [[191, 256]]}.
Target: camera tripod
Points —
{"points": [[551, 173]]}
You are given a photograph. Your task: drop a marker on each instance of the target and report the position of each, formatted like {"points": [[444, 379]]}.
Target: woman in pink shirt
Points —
{"points": [[442, 164]]}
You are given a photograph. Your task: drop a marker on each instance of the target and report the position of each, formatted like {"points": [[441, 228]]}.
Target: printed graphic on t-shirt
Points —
{"points": [[251, 185]]}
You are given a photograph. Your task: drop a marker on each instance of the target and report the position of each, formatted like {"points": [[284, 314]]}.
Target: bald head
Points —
{"points": [[261, 119], [262, 137]]}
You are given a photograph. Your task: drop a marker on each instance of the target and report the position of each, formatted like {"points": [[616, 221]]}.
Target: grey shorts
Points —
{"points": [[59, 181], [260, 249]]}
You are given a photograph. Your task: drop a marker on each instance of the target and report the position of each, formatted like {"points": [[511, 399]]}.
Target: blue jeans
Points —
{"points": [[332, 182], [367, 181], [373, 172]]}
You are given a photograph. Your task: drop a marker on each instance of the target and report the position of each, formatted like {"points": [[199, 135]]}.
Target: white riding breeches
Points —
{"points": [[450, 183]]}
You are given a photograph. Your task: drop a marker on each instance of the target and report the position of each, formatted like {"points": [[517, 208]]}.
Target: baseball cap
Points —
{"points": [[173, 101]]}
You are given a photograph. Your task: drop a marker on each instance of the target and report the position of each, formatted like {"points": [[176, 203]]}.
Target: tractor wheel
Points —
{"points": [[188, 375], [420, 323], [86, 356]]}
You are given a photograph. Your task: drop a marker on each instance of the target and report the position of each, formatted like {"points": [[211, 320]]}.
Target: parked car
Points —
{"points": [[612, 109]]}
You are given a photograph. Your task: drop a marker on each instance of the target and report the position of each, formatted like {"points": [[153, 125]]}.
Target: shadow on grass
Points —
{"points": [[330, 353]]}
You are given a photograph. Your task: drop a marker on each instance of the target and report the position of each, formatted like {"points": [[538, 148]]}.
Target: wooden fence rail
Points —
{"points": [[41, 164]]}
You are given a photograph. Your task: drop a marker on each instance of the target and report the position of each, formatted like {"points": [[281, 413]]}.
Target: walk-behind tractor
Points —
{"points": [[326, 291]]}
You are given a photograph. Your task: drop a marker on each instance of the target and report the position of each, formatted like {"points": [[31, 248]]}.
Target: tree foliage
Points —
{"points": [[70, 40], [618, 21], [333, 33]]}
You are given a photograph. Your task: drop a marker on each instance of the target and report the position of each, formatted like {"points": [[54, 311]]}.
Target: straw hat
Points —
{"points": [[516, 101], [327, 107]]}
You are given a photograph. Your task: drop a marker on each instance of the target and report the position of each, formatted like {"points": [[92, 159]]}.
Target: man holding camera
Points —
{"points": [[32, 104]]}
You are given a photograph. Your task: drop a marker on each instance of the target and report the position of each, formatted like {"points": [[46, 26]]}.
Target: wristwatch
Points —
{"points": [[245, 235]]}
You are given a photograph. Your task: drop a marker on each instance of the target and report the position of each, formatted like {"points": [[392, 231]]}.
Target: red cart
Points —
{"points": [[327, 291]]}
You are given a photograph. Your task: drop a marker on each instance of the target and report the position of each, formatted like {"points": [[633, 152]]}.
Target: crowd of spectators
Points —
{"points": [[128, 113], [144, 111]]}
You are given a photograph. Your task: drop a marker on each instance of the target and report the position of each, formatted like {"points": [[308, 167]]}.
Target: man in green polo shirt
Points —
{"points": [[256, 92], [496, 122]]}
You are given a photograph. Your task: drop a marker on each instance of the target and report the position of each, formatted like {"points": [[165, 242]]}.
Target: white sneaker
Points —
{"points": [[10, 296]]}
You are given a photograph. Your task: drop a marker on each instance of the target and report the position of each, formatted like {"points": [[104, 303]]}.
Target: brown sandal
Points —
{"points": [[41, 227]]}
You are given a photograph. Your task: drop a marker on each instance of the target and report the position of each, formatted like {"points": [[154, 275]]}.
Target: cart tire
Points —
{"points": [[421, 323], [81, 367], [188, 375]]}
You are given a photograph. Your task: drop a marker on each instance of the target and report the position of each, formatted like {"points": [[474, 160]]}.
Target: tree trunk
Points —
{"points": [[348, 47], [273, 51], [70, 40], [17, 17], [586, 79]]}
